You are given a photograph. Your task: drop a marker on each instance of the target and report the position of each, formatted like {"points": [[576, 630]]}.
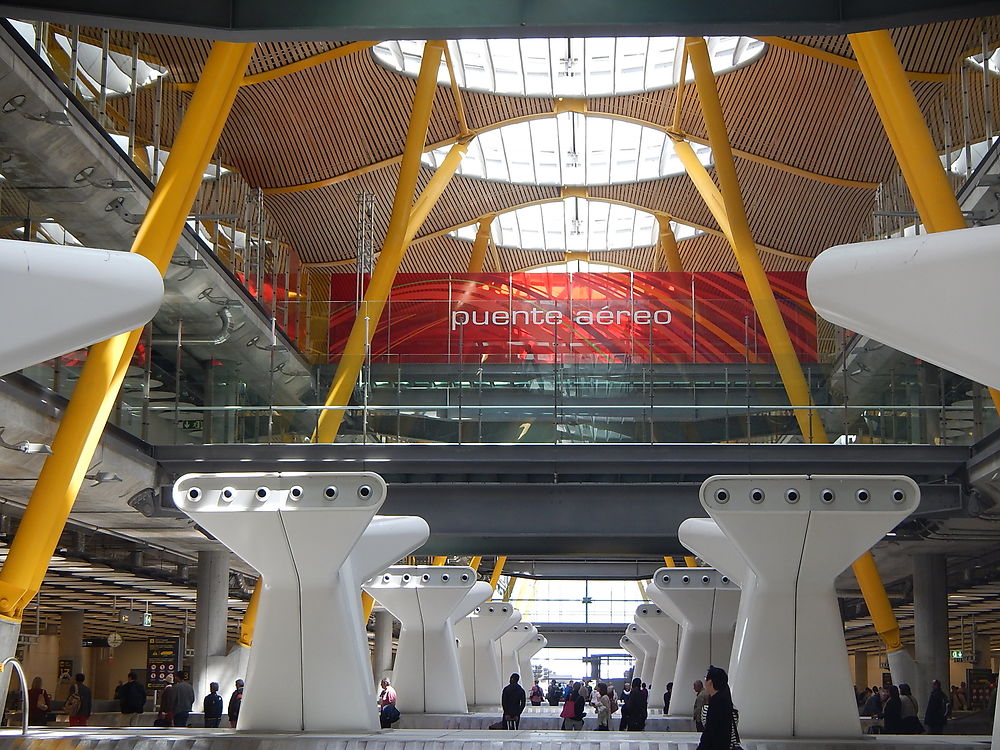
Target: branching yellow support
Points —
{"points": [[668, 244], [478, 259], [785, 358], [497, 572], [401, 224], [250, 616], [86, 415]]}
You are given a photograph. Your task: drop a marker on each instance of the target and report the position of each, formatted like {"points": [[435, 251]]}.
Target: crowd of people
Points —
{"points": [[899, 712]]}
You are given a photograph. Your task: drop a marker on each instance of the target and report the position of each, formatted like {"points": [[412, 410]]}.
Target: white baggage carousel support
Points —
{"points": [[638, 653], [314, 538], [705, 539], [794, 631], [509, 643], [525, 654], [649, 645], [423, 598], [704, 603], [663, 628], [486, 624]]}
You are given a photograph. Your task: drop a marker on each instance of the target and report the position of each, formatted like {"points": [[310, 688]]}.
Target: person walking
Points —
{"points": [[165, 714], [720, 732], [39, 704], [212, 706], [602, 702], [132, 699], [573, 710], [536, 695], [666, 698], [235, 701], [936, 713], [388, 714], [637, 707], [183, 701], [80, 702], [512, 701]]}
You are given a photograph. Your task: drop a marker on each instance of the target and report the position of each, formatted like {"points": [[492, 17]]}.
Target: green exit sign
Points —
{"points": [[957, 655], [192, 424]]}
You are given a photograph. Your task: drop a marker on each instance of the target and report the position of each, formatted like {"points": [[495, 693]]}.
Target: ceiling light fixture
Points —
{"points": [[25, 446]]}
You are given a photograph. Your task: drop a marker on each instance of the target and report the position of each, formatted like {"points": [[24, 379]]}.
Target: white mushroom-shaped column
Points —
{"points": [[638, 652], [663, 628], [479, 635], [797, 533], [314, 538], [423, 598], [650, 647], [509, 644], [525, 654]]}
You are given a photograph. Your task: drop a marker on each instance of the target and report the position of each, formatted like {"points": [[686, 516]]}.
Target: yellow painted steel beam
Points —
{"points": [[690, 561], [497, 571], [478, 259], [393, 247], [456, 91], [392, 160], [295, 67], [83, 422], [669, 562], [642, 590], [845, 62], [873, 590], [367, 605], [668, 244], [475, 562], [679, 91], [439, 560], [509, 590], [779, 342], [250, 616]]}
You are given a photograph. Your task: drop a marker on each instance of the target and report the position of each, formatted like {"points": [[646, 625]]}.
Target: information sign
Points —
{"points": [[163, 657]]}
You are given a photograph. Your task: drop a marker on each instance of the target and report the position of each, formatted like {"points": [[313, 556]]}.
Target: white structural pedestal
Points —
{"points": [[704, 602], [638, 652], [67, 298], [509, 643], [650, 647], [426, 675], [479, 637], [797, 533], [314, 538], [525, 654], [663, 628], [704, 537]]}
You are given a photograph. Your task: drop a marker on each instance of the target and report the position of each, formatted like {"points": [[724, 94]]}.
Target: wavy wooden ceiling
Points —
{"points": [[351, 112]]}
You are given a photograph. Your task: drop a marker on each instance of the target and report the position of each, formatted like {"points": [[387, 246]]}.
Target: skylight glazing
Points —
{"points": [[575, 224], [570, 149], [569, 67]]}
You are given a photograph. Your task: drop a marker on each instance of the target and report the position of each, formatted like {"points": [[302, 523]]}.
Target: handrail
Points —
{"points": [[24, 690]]}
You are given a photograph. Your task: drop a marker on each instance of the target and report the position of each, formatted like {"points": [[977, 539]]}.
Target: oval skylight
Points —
{"points": [[574, 224], [571, 67], [570, 149]]}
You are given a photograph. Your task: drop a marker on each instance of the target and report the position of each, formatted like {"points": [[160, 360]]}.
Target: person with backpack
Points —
{"points": [[536, 696], [388, 714], [212, 706], [720, 731], [79, 703]]}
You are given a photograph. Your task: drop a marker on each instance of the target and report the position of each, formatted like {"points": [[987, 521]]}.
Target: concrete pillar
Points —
{"points": [[71, 639], [930, 617], [382, 662], [211, 616]]}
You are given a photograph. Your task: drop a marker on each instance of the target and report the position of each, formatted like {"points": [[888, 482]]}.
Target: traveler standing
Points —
{"points": [[388, 714], [212, 706], [79, 710], [168, 700], [700, 701], [636, 705], [235, 700], [666, 698], [183, 701], [39, 703], [132, 698], [536, 696], [892, 712], [911, 721], [512, 702], [602, 702], [720, 732], [573, 710], [936, 714]]}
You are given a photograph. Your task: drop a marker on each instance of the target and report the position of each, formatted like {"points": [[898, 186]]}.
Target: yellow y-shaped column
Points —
{"points": [[86, 415]]}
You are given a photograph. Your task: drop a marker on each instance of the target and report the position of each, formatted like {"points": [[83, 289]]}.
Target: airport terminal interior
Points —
{"points": [[496, 343]]}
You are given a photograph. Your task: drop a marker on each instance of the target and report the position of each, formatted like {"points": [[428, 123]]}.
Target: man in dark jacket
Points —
{"points": [[84, 706], [212, 706], [512, 700], [132, 698], [183, 701], [936, 714], [235, 700]]}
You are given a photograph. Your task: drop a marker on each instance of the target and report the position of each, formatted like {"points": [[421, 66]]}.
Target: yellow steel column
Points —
{"points": [[475, 562], [86, 415], [668, 244], [497, 572], [250, 616], [879, 607], [367, 605], [907, 132], [478, 259], [439, 560], [509, 590], [669, 562], [745, 250], [393, 248]]}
